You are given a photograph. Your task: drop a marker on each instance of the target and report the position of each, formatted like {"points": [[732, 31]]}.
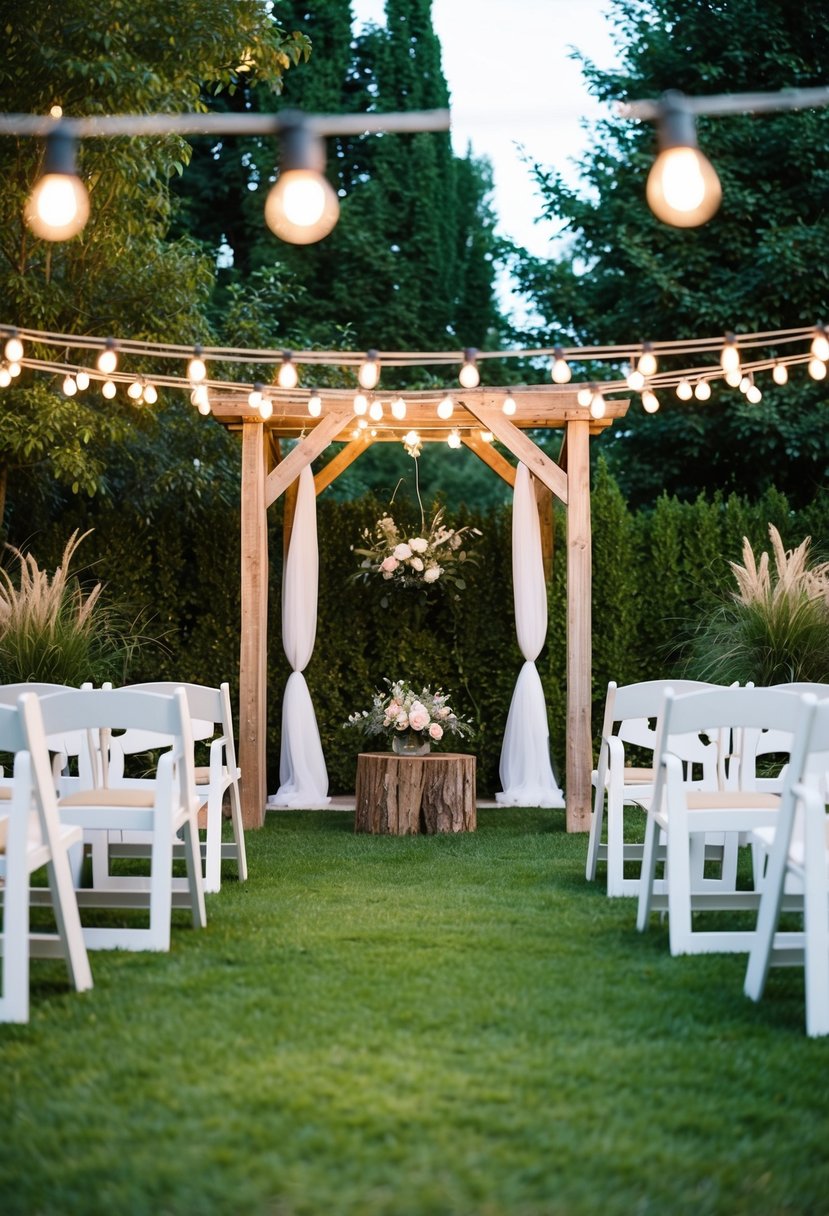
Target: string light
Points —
{"points": [[255, 396], [650, 402], [135, 390], [635, 380], [730, 354], [733, 377], [369, 374], [199, 397], [265, 408], [684, 390], [287, 376], [14, 370], [584, 396], [108, 389], [820, 344], [360, 403], [69, 386], [753, 393], [817, 369], [108, 359], [14, 348], [303, 206], [58, 207], [446, 407], [196, 368], [780, 373], [5, 377], [560, 372], [315, 405], [150, 394], [412, 443], [598, 405], [82, 379], [702, 390], [682, 188], [469, 375], [487, 436], [509, 407], [204, 408], [398, 408], [647, 360], [453, 439], [375, 411], [362, 423]]}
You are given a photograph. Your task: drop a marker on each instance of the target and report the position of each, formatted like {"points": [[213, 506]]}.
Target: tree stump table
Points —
{"points": [[408, 795]]}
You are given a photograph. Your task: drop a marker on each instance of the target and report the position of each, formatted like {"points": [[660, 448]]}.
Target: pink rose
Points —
{"points": [[402, 722], [418, 716], [436, 731], [393, 709], [389, 563]]}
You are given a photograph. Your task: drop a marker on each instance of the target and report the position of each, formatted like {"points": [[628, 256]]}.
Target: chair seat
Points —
{"points": [[639, 776], [730, 800], [120, 796]]}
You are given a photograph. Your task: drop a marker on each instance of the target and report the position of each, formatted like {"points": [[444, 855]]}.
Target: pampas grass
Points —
{"points": [[775, 628], [53, 630]]}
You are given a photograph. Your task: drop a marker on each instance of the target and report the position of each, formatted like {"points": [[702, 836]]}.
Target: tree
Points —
{"points": [[757, 265], [121, 275]]}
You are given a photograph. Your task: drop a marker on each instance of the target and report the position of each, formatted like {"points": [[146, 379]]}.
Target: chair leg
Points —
{"points": [[161, 881], [68, 920], [595, 839], [238, 831], [195, 879], [648, 873], [14, 1004], [213, 843], [816, 958]]}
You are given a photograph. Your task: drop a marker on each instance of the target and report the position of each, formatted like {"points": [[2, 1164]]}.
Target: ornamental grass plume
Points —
{"points": [[774, 628], [54, 631]]}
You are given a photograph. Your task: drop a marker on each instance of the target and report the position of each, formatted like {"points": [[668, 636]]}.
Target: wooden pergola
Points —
{"points": [[267, 473]]}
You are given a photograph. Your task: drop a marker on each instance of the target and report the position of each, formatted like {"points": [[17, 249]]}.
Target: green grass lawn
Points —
{"points": [[414, 1027]]}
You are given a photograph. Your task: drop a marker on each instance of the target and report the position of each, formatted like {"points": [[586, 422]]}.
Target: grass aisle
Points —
{"points": [[414, 1027]]}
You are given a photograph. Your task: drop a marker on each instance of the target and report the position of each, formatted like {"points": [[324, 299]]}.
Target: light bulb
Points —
{"points": [[315, 405], [560, 371], [753, 394], [287, 376], [820, 344], [360, 404], [369, 373], [255, 396], [683, 189], [598, 405], [196, 368], [375, 411], [744, 384], [14, 370], [150, 394], [398, 408], [69, 386], [647, 360], [780, 373], [584, 396], [487, 436], [411, 439], [265, 408], [362, 423], [13, 349], [108, 389], [82, 379], [302, 207], [684, 390], [730, 354], [5, 378], [650, 402], [635, 380], [199, 396], [702, 391], [107, 360], [453, 439], [446, 407], [58, 207], [469, 375], [204, 408], [817, 369], [135, 390], [733, 377], [509, 407]]}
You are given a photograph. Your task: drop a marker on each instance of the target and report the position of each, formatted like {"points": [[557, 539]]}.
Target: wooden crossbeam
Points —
{"points": [[490, 456], [307, 450], [521, 446], [341, 461]]}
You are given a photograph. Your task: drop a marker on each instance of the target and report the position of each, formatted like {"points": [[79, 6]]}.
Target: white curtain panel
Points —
{"points": [[526, 771], [303, 776]]}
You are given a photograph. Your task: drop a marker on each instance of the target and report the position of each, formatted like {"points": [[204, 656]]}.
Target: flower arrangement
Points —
{"points": [[420, 560], [402, 710]]}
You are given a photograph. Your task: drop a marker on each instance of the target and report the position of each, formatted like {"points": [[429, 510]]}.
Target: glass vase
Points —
{"points": [[410, 743]]}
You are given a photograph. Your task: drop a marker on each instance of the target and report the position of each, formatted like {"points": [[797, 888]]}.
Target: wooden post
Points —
{"points": [[579, 625], [253, 648], [544, 502]]}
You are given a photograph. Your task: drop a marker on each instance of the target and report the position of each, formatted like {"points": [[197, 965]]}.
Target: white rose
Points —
{"points": [[416, 564], [418, 545], [433, 574], [402, 722], [402, 552]]}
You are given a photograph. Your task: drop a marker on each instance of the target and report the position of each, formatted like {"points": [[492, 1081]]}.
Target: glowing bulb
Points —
{"points": [[411, 439], [5, 378], [730, 354], [702, 391], [487, 436], [598, 406], [14, 370], [362, 423], [647, 360], [817, 369], [469, 375], [135, 390], [509, 407], [58, 207], [196, 368], [265, 408], [445, 407], [560, 372], [734, 376], [107, 360], [108, 389], [315, 405], [255, 396], [302, 207], [82, 379], [369, 373], [650, 402], [375, 411], [453, 439], [584, 396], [150, 394], [13, 349], [287, 376], [820, 344], [69, 386], [683, 189], [780, 373], [360, 404], [398, 408], [745, 384], [684, 390], [204, 408], [753, 394], [199, 396], [635, 380]]}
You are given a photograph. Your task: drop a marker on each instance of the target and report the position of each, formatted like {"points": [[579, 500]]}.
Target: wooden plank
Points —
{"points": [[306, 450], [544, 502], [346, 456], [490, 456], [579, 742], [253, 646], [288, 513], [521, 446]]}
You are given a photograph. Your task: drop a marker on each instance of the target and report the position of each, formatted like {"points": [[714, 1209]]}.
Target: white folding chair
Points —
{"points": [[163, 807], [32, 836], [211, 723], [628, 717], [798, 848], [686, 816]]}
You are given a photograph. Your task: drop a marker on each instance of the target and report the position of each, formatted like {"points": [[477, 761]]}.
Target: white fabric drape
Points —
{"points": [[303, 776], [526, 772]]}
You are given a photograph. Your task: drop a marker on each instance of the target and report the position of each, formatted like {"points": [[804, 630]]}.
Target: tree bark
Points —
{"points": [[409, 795]]}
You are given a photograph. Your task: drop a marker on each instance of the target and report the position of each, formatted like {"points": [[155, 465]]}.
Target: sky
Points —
{"points": [[511, 82]]}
